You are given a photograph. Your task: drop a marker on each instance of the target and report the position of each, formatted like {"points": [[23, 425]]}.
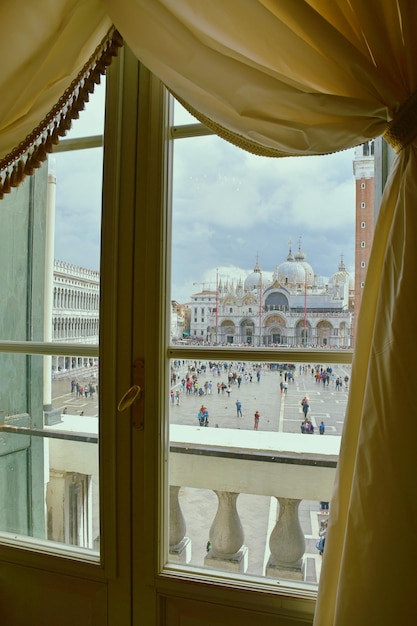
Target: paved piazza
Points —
{"points": [[279, 412]]}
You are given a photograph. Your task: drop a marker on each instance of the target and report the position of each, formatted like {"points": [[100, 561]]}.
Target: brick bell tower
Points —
{"points": [[364, 172]]}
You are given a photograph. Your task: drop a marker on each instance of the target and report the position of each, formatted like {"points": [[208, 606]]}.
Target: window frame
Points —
{"points": [[177, 572]]}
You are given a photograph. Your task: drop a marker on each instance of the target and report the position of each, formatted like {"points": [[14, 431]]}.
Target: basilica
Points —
{"points": [[291, 307]]}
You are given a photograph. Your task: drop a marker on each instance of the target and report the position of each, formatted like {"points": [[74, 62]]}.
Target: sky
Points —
{"points": [[230, 208]]}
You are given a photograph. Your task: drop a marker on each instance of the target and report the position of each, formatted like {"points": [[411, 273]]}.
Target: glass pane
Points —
{"points": [[254, 448], [48, 458], [263, 256], [50, 242], [263, 250]]}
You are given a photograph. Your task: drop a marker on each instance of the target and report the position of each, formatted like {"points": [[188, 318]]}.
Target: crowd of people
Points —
{"points": [[86, 390], [204, 379]]}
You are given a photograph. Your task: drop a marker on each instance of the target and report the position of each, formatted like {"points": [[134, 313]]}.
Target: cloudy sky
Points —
{"points": [[229, 208]]}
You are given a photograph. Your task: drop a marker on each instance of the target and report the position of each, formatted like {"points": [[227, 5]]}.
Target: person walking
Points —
{"points": [[256, 417], [239, 408], [305, 406], [322, 428]]}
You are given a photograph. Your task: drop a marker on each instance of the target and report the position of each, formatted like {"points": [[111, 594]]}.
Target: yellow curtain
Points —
{"points": [[301, 77], [287, 77]]}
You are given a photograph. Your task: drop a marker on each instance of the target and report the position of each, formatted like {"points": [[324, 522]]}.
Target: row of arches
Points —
{"points": [[76, 299], [275, 332], [75, 327]]}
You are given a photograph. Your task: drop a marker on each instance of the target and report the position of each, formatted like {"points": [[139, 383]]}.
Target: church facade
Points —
{"points": [[291, 307]]}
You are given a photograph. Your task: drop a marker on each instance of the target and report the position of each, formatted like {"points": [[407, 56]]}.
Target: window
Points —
{"points": [[218, 169], [140, 331], [363, 244], [363, 205], [50, 414], [362, 284], [363, 186], [363, 264], [363, 224]]}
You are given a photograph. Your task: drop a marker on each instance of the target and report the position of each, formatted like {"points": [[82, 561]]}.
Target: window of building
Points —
{"points": [[363, 185], [363, 244], [363, 224], [363, 205], [362, 284], [363, 264]]}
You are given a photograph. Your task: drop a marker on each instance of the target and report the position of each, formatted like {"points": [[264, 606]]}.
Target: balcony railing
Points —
{"points": [[289, 467]]}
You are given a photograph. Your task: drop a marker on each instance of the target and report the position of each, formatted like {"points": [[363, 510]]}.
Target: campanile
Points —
{"points": [[364, 172]]}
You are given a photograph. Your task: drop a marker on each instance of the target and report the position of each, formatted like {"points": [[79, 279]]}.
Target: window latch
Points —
{"points": [[133, 398]]}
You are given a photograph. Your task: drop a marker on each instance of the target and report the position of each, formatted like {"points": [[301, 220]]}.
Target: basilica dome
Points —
{"points": [[291, 272], [254, 280], [301, 257], [341, 277]]}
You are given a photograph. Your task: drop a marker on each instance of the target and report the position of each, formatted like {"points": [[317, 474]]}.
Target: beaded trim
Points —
{"points": [[33, 150]]}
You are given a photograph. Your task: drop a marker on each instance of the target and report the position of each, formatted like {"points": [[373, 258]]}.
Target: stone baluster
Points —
{"points": [[226, 536], [179, 544], [287, 543]]}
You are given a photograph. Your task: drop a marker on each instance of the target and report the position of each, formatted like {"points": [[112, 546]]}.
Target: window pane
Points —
{"points": [[254, 448], [245, 226], [261, 259], [49, 455], [50, 242]]}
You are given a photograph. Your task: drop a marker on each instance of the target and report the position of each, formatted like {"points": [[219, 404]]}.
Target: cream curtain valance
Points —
{"points": [[52, 56], [287, 77]]}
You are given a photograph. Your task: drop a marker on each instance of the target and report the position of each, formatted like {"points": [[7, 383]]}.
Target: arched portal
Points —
{"points": [[275, 331], [227, 332], [303, 335], [324, 333], [247, 331]]}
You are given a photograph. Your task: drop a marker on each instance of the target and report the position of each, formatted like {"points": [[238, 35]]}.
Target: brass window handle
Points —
{"points": [[129, 398], [134, 396]]}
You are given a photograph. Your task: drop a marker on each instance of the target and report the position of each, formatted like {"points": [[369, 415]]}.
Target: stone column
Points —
{"points": [[226, 536], [179, 544], [287, 543]]}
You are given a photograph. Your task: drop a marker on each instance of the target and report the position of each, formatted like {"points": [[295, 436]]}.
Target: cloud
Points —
{"points": [[229, 208], [78, 207]]}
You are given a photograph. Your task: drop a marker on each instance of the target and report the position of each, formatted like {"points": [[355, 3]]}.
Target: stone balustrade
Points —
{"points": [[290, 467]]}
